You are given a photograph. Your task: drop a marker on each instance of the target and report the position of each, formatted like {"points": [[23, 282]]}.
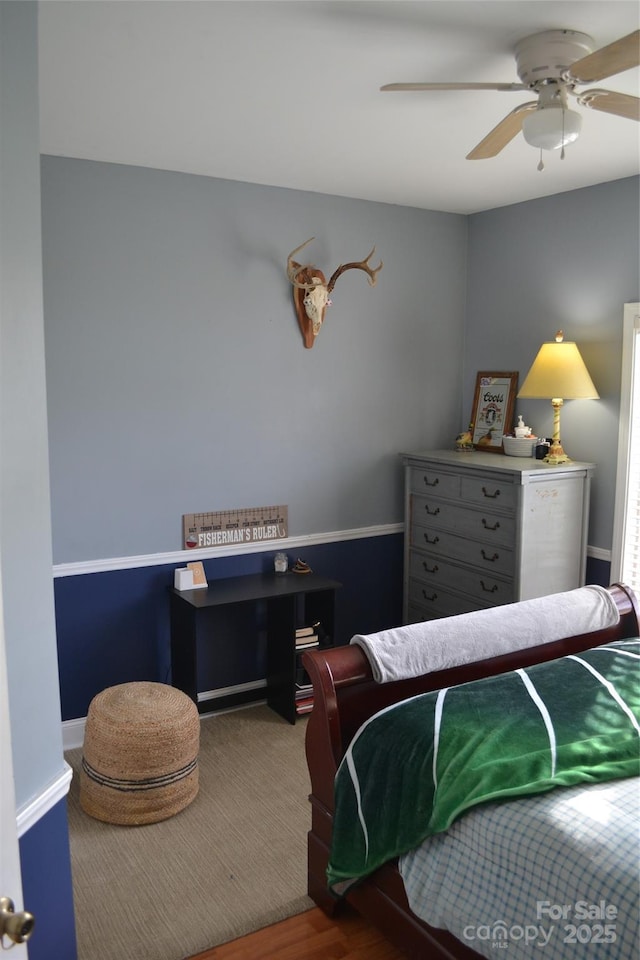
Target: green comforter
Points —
{"points": [[415, 767]]}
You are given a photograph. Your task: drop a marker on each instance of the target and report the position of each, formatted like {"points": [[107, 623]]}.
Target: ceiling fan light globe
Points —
{"points": [[551, 128]]}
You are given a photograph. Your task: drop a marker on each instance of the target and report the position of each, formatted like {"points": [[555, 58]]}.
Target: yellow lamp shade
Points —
{"points": [[558, 371]]}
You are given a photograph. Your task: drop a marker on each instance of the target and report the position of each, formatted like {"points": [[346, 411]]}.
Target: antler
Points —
{"points": [[293, 269], [362, 265]]}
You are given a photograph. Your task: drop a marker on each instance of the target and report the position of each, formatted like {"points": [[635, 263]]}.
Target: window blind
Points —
{"points": [[626, 549]]}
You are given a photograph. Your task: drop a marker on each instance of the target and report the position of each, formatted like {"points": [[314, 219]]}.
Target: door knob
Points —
{"points": [[18, 927]]}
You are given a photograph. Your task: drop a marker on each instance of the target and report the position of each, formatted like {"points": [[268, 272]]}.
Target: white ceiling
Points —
{"points": [[287, 94]]}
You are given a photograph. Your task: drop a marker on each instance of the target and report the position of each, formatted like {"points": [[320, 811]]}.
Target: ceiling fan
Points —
{"points": [[552, 64]]}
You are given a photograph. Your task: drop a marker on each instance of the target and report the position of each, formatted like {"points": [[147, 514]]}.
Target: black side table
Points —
{"points": [[283, 594]]}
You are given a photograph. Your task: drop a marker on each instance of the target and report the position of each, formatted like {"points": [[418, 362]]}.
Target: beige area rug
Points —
{"points": [[232, 862]]}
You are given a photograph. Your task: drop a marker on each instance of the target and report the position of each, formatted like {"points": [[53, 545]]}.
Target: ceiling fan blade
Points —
{"points": [[500, 136], [453, 86], [608, 101], [618, 56]]}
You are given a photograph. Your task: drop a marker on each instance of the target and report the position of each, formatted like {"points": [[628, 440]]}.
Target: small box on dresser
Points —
{"points": [[482, 529]]}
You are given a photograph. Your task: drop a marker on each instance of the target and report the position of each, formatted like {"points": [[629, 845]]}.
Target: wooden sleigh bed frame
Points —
{"points": [[345, 695]]}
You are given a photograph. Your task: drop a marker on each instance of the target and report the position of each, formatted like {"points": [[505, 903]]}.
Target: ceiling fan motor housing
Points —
{"points": [[549, 55]]}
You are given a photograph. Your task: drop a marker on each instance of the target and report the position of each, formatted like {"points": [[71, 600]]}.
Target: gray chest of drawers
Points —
{"points": [[483, 529]]}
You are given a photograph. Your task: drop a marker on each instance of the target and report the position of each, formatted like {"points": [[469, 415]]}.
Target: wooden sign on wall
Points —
{"points": [[222, 527]]}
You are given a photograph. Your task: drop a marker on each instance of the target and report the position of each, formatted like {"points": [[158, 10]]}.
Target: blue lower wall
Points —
{"points": [[47, 886], [598, 571], [114, 627]]}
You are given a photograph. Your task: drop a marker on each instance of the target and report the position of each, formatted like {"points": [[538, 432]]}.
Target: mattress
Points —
{"points": [[554, 875]]}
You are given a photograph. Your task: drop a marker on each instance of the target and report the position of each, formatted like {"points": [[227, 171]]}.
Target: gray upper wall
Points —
{"points": [[176, 373], [566, 262], [178, 382]]}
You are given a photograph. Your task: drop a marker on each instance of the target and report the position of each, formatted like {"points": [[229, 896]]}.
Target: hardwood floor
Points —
{"points": [[309, 936]]}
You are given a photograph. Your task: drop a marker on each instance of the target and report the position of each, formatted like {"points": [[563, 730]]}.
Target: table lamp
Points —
{"points": [[558, 373]]}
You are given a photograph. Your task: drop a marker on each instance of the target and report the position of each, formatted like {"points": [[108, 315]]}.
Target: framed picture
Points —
{"points": [[492, 412]]}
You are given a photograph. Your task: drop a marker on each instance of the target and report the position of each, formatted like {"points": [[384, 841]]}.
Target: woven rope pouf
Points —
{"points": [[140, 757]]}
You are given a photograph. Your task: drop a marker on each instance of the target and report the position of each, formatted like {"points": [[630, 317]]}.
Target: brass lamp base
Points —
{"points": [[556, 454]]}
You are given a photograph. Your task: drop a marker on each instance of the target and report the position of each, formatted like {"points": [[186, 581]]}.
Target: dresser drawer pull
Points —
{"points": [[428, 569], [489, 589], [434, 596], [432, 513], [487, 527], [491, 496], [427, 540], [430, 483], [492, 559]]}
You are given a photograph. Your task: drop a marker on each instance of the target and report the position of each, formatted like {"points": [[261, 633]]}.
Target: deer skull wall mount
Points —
{"points": [[311, 291]]}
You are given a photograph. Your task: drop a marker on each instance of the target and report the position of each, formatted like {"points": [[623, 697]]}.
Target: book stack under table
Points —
{"points": [[306, 639]]}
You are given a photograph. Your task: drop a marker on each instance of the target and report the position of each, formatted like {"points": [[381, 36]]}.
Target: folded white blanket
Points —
{"points": [[419, 648]]}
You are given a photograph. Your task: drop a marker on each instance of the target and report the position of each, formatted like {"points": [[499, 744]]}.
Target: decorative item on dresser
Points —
{"points": [[492, 412], [487, 529]]}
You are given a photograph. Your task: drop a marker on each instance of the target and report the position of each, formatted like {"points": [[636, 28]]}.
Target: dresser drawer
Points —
{"points": [[494, 558], [484, 525], [431, 573], [435, 482], [427, 604], [488, 492]]}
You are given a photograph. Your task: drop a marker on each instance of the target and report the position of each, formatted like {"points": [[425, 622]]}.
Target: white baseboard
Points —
{"points": [[73, 733], [226, 691], [33, 811], [73, 730]]}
